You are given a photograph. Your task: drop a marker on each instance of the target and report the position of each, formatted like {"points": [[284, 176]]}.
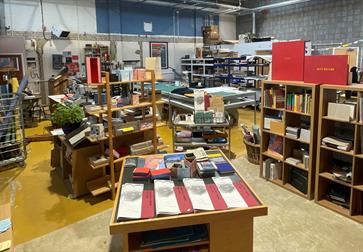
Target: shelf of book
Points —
{"points": [[350, 153], [331, 192], [296, 110], [331, 177], [297, 140], [135, 241], [299, 166], [273, 155], [106, 183]]}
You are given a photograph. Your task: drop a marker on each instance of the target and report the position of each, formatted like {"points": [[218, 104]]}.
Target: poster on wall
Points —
{"points": [[160, 49]]}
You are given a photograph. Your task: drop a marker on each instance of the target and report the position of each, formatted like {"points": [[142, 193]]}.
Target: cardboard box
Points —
{"points": [[288, 60], [277, 127], [326, 69]]}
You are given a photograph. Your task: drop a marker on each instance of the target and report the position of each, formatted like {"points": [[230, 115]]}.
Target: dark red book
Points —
{"points": [[93, 70], [216, 197], [246, 194], [327, 69], [206, 102], [148, 204], [288, 60], [181, 194], [141, 171]]}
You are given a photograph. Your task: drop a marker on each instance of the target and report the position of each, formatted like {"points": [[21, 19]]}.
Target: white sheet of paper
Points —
{"points": [[130, 201], [148, 26], [229, 193], [198, 194], [57, 132], [165, 199]]}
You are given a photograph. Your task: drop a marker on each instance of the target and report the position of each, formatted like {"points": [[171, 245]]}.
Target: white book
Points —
{"points": [[198, 194], [229, 193], [199, 100], [344, 112], [275, 172], [305, 135], [130, 203], [165, 199]]}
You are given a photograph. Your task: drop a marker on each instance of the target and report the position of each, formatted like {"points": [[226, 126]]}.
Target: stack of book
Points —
{"points": [[274, 98], [293, 132], [173, 236], [342, 170], [299, 102], [163, 174], [206, 169], [98, 160], [337, 143], [141, 173], [184, 136], [339, 195], [223, 167]]}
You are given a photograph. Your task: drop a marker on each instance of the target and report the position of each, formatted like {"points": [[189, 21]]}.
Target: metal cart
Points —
{"points": [[12, 144]]}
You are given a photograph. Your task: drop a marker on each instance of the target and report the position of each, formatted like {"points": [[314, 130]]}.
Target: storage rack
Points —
{"points": [[12, 146], [226, 68], [226, 126], [107, 182], [324, 176], [291, 118], [198, 68]]}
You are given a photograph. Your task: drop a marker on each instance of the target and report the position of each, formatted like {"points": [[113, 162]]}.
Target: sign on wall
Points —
{"points": [[160, 49]]}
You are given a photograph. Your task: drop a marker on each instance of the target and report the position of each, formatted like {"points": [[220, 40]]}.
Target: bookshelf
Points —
{"points": [[327, 156], [302, 115], [108, 181]]}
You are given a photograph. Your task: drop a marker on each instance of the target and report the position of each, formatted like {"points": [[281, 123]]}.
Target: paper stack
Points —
{"points": [[165, 199], [337, 143], [293, 132]]}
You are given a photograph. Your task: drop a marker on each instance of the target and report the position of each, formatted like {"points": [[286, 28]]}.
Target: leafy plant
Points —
{"points": [[67, 114]]}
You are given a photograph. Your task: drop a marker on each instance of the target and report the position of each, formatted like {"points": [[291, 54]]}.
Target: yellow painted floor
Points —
{"points": [[40, 202]]}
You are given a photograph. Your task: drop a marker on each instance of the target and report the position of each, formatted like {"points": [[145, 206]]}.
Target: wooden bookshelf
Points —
{"points": [[325, 155], [107, 182], [295, 119]]}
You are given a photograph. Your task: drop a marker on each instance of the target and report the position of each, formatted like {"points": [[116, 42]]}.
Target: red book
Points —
{"points": [[327, 69], [288, 60], [93, 70], [160, 172], [181, 194], [148, 204], [246, 194], [216, 197], [141, 171], [206, 102]]}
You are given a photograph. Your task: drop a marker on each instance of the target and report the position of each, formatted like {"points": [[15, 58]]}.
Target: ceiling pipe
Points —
{"points": [[272, 6], [227, 6]]}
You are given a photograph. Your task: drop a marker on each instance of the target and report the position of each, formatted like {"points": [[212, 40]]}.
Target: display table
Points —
{"points": [[228, 230]]}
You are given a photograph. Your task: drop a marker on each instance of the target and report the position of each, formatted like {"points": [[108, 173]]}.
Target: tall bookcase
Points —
{"points": [[326, 156], [289, 117], [107, 182]]}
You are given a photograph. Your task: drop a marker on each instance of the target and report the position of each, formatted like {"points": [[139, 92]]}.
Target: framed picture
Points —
{"points": [[9, 62], [160, 49]]}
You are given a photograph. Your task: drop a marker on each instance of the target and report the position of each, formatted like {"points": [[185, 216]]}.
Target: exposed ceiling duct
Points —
{"points": [[272, 6]]}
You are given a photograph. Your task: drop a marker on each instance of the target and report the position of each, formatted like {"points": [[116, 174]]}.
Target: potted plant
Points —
{"points": [[67, 117]]}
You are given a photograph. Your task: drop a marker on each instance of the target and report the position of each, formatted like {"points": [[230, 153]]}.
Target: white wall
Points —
{"points": [[227, 27], [77, 16]]}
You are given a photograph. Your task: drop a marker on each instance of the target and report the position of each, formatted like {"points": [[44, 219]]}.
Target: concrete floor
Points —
{"points": [[40, 202], [292, 224]]}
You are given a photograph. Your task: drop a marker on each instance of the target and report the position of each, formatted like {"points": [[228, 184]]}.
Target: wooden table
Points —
{"points": [[229, 230]]}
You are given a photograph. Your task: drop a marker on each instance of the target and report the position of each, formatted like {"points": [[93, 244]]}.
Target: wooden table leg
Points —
{"points": [[231, 235], [125, 242]]}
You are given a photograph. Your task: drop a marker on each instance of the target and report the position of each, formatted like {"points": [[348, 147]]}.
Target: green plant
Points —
{"points": [[67, 114]]}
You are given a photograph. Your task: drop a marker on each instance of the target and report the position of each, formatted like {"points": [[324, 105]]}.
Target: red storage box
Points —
{"points": [[326, 69], [288, 60], [93, 70]]}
